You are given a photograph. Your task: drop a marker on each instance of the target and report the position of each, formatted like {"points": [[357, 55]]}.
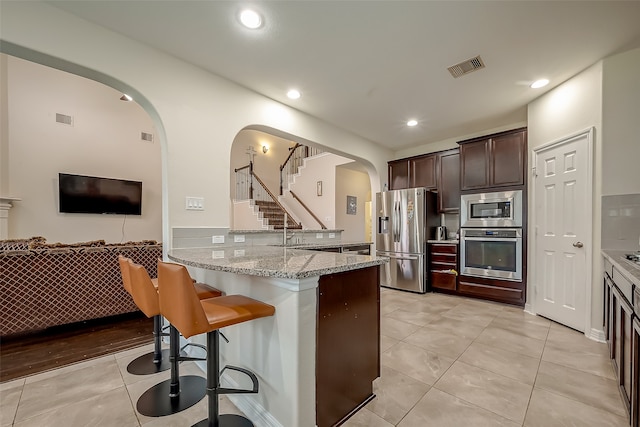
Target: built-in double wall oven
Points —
{"points": [[491, 235]]}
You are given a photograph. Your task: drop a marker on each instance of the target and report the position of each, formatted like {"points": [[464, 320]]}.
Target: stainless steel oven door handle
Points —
{"points": [[493, 239]]}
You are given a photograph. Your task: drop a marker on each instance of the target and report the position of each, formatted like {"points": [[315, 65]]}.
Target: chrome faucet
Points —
{"points": [[285, 237]]}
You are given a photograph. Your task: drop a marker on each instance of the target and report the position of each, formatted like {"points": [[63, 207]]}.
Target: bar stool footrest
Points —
{"points": [[254, 381], [227, 420]]}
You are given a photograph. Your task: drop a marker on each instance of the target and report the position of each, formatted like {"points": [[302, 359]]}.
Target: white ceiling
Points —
{"points": [[369, 66]]}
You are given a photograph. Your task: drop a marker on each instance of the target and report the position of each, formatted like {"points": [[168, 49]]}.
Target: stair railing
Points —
{"points": [[294, 160], [308, 210], [249, 186]]}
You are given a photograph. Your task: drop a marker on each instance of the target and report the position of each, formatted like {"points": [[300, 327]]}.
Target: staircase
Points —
{"points": [[274, 215]]}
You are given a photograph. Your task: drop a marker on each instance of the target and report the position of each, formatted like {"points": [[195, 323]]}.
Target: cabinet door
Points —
{"points": [[398, 175], [507, 159], [626, 332], [635, 374], [449, 182], [442, 259], [422, 171], [474, 164]]}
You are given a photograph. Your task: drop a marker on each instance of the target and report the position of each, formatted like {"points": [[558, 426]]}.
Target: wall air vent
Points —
{"points": [[146, 136], [466, 67], [64, 119]]}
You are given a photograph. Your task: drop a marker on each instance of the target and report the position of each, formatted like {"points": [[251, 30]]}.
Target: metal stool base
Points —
{"points": [[156, 402], [226, 420], [144, 365]]}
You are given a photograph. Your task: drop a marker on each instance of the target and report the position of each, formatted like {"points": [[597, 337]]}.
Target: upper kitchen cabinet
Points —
{"points": [[398, 174], [449, 181], [423, 172], [493, 161], [413, 172], [438, 172]]}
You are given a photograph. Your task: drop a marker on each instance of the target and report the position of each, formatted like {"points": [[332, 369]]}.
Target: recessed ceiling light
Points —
{"points": [[539, 83], [412, 122], [126, 97], [293, 94], [250, 19]]}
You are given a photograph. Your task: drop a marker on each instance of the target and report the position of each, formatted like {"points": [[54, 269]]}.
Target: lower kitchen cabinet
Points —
{"points": [[622, 333], [505, 291], [635, 374], [443, 266]]}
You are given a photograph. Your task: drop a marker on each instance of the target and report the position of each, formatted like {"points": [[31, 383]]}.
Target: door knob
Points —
{"points": [[578, 245]]}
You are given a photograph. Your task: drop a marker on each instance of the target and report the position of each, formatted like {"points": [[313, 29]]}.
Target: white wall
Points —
{"points": [[621, 119], [321, 167], [571, 107], [197, 114], [104, 140], [352, 183]]}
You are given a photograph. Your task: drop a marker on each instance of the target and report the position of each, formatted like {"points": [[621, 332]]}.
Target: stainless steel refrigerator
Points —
{"points": [[405, 220]]}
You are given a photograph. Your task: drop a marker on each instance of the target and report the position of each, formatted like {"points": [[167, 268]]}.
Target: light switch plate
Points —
{"points": [[332, 235], [217, 239], [319, 235], [238, 252], [218, 254], [238, 238], [194, 203]]}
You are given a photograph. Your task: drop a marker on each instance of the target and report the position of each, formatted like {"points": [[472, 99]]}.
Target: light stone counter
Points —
{"points": [[627, 268], [273, 261]]}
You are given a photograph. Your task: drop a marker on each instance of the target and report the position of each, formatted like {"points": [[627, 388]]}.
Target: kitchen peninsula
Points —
{"points": [[317, 357]]}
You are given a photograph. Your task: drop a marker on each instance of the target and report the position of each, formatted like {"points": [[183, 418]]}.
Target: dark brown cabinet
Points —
{"points": [[438, 172], [423, 172], [622, 333], [493, 161], [398, 174], [443, 266], [635, 374], [449, 181]]}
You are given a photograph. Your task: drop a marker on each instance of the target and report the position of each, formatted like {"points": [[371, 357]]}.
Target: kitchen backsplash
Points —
{"points": [[621, 222]]}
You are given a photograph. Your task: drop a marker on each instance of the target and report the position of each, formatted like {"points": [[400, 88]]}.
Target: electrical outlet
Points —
{"points": [[238, 238], [332, 235], [319, 235], [217, 239], [217, 254]]}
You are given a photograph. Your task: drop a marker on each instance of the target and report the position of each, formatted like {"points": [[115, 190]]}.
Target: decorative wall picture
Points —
{"points": [[352, 205], [319, 188]]}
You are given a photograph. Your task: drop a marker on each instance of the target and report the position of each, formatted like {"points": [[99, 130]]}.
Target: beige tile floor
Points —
{"points": [[446, 361]]}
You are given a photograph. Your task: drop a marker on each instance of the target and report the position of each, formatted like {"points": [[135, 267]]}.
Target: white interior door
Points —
{"points": [[563, 230]]}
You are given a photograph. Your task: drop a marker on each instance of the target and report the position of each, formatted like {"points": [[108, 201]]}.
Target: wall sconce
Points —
{"points": [[265, 148]]}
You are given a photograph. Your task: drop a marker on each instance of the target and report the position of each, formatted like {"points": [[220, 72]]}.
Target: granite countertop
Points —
{"points": [[321, 245], [630, 270], [292, 230], [272, 261]]}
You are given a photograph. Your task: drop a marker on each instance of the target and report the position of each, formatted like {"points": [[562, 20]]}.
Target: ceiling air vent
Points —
{"points": [[466, 67], [146, 136], [64, 119]]}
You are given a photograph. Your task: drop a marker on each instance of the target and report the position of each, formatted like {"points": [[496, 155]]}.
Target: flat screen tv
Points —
{"points": [[95, 195]]}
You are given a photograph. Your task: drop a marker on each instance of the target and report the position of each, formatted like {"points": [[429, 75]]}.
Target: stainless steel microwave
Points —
{"points": [[498, 209]]}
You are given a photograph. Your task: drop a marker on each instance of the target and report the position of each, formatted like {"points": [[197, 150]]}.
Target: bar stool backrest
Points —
{"points": [[179, 302], [124, 272], [143, 292]]}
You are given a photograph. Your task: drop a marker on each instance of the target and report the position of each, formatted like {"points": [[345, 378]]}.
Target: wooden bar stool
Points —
{"points": [[177, 393], [158, 360], [191, 316]]}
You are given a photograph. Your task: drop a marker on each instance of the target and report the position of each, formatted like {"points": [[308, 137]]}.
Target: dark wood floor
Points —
{"points": [[52, 348]]}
